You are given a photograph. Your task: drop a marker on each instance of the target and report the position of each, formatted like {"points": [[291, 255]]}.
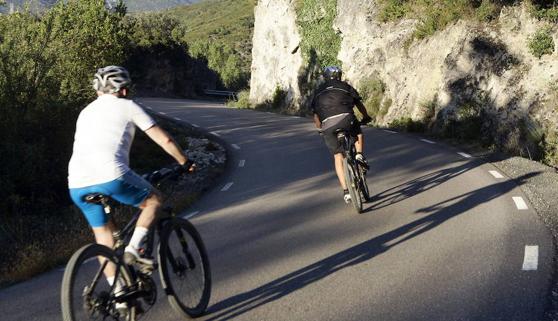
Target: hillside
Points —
{"points": [[220, 31], [133, 5]]}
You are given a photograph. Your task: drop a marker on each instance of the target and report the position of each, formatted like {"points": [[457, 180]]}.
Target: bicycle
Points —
{"points": [[181, 259], [355, 173]]}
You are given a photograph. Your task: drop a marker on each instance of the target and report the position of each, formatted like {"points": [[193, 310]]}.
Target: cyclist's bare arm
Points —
{"points": [[163, 139], [317, 121]]}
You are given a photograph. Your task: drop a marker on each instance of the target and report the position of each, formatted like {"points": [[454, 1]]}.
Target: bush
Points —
{"points": [[542, 43], [315, 20], [407, 124], [372, 92], [242, 100]]}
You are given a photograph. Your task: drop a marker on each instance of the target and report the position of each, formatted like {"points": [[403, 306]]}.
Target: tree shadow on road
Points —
{"points": [[283, 286]]}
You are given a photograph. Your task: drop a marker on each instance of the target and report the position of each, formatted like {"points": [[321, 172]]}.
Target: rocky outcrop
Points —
{"points": [[276, 58], [468, 63]]}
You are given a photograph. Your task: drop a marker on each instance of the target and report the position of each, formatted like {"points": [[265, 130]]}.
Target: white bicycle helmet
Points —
{"points": [[111, 79]]}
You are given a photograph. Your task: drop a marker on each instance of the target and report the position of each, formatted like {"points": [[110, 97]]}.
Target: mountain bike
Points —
{"points": [[355, 173], [181, 260]]}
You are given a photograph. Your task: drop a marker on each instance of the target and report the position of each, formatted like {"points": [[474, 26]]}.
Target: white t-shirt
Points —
{"points": [[104, 133]]}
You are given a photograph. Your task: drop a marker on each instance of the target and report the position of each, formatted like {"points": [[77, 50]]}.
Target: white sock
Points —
{"points": [[138, 236], [119, 284]]}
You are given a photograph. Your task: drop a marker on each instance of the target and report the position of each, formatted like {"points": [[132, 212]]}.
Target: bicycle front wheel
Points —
{"points": [[86, 294], [364, 190], [184, 268], [352, 184]]}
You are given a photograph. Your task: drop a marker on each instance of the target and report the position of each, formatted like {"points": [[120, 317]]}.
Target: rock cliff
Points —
{"points": [[470, 68]]}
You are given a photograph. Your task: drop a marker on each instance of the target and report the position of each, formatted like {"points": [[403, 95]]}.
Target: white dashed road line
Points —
{"points": [[496, 174], [242, 163], [465, 155], [428, 141], [531, 259], [162, 113], [195, 125], [226, 187], [176, 118], [520, 203], [389, 131], [190, 215], [235, 146], [216, 134]]}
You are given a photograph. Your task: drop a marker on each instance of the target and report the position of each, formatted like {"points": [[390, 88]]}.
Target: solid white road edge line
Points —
{"points": [[242, 163], [465, 155], [520, 203], [428, 141], [496, 174], [531, 259], [235, 146], [226, 187]]}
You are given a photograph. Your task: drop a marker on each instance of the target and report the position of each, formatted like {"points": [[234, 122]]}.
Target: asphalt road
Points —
{"points": [[444, 238]]}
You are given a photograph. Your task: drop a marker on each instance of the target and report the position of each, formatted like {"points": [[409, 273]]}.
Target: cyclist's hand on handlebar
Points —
{"points": [[186, 168]]}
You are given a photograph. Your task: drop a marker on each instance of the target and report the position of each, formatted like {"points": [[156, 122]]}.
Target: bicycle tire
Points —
{"points": [[82, 269], [184, 268], [352, 185], [364, 189]]}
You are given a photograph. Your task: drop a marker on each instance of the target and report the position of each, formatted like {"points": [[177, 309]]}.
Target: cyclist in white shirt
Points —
{"points": [[100, 160]]}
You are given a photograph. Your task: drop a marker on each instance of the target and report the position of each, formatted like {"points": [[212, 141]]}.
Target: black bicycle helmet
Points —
{"points": [[332, 72], [111, 79]]}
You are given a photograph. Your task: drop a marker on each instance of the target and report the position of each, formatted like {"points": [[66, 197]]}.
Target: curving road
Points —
{"points": [[445, 237]]}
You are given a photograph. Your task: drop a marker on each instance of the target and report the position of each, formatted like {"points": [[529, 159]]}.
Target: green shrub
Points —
{"points": [[407, 124], [542, 43], [242, 100], [372, 91], [279, 97], [393, 10], [315, 20], [545, 10]]}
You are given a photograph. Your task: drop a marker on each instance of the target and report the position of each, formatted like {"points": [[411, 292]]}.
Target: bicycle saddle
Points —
{"points": [[95, 198]]}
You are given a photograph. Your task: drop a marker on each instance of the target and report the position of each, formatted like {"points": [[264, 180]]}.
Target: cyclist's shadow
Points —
{"points": [[416, 186], [438, 213]]}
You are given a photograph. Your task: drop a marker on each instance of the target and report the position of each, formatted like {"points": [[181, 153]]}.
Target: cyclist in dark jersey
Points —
{"points": [[333, 109]]}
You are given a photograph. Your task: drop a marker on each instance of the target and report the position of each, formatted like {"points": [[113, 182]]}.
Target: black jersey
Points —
{"points": [[334, 97]]}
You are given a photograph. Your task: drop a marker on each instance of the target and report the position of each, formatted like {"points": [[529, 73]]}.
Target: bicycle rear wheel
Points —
{"points": [[184, 268], [86, 294], [352, 185]]}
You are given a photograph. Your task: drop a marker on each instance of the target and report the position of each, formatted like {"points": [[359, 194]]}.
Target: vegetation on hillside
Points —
{"points": [[436, 15], [46, 65], [220, 32]]}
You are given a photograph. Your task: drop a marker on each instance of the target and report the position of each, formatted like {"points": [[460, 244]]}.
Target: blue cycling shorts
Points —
{"points": [[130, 189]]}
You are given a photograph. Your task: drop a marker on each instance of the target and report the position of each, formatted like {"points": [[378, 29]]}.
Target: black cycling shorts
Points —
{"points": [[349, 123]]}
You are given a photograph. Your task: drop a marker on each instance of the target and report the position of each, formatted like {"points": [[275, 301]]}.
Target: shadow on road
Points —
{"points": [[418, 185], [283, 286]]}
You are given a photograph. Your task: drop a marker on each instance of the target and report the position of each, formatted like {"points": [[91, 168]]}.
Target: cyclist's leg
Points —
{"points": [[335, 148], [339, 170], [97, 219], [135, 191]]}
